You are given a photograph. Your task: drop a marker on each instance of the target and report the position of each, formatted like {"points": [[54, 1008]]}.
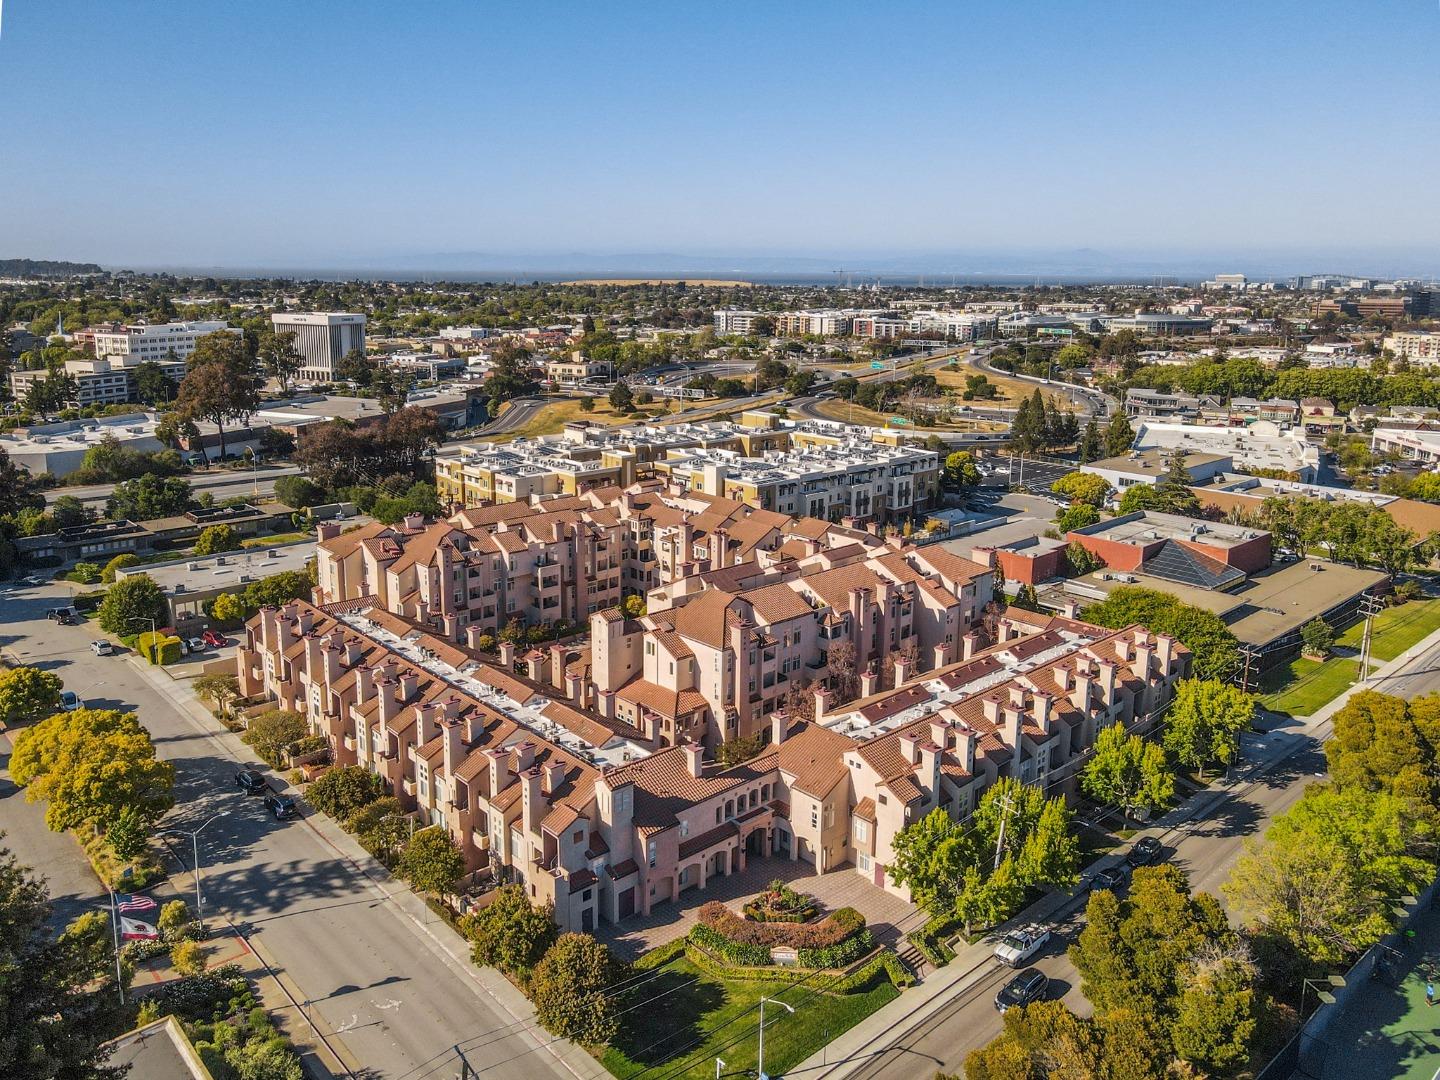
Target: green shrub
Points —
{"points": [[837, 956], [85, 573], [743, 953], [187, 958], [119, 562]]}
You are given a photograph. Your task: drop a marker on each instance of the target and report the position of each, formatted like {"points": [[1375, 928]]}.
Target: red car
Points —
{"points": [[214, 640]]}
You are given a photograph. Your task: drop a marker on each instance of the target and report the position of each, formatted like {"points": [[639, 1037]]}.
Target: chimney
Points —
{"points": [[499, 770], [930, 766], [553, 775], [524, 756], [330, 655], [1122, 648], [314, 658], [557, 665], [940, 656], [779, 726], [1080, 696], [474, 726], [1042, 704], [409, 683], [605, 704], [902, 670], [1166, 652], [454, 747], [450, 707], [506, 649], [1062, 677], [353, 651], [389, 704], [1011, 732], [1107, 683], [694, 759], [822, 703], [1144, 661], [910, 746], [991, 705], [533, 807], [939, 732], [868, 682], [965, 748], [427, 722], [536, 663], [1070, 609], [364, 685], [968, 644], [1017, 696], [473, 634], [414, 522], [326, 530]]}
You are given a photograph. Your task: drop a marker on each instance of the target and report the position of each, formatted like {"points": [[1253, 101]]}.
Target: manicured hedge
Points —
{"points": [[840, 925], [746, 954], [837, 956]]}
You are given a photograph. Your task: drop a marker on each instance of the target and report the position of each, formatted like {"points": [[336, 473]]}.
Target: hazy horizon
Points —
{"points": [[1028, 137]]}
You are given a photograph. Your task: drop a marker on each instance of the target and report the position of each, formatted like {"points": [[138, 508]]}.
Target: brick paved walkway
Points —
{"points": [[841, 887]]}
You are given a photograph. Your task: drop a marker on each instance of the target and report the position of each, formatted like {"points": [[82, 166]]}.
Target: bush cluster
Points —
{"points": [[841, 924], [837, 956], [781, 903]]}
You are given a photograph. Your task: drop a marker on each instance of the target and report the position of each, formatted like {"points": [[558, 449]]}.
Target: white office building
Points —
{"points": [[159, 342], [734, 321], [322, 338]]}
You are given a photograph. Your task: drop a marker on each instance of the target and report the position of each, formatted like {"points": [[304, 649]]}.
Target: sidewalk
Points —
{"points": [[915, 1007], [452, 949]]}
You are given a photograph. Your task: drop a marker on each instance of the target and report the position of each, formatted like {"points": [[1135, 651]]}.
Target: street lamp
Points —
{"points": [[719, 1065], [760, 1050], [194, 835], [1323, 990]]}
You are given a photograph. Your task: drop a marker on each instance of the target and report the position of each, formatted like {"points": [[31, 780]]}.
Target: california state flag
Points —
{"points": [[135, 930]]}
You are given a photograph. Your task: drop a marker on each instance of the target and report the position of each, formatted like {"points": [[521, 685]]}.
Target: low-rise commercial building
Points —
{"points": [[1205, 554], [137, 342], [1262, 445], [1149, 467]]}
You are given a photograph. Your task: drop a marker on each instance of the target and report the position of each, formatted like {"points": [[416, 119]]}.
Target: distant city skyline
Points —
{"points": [[1024, 138]]}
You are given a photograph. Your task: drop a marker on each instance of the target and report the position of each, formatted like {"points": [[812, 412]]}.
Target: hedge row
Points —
{"points": [[885, 961], [837, 956], [840, 925], [660, 955], [746, 954]]}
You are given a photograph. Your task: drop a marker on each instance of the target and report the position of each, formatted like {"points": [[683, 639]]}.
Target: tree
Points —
{"points": [[343, 790], [1025, 598], [149, 496], [1136, 953], [68, 512], [214, 539], [1128, 772], [128, 833], [622, 398], [152, 385], [633, 607], [278, 357], [1325, 874], [18, 490], [587, 404], [432, 862], [357, 368], [510, 933], [960, 470], [119, 562], [55, 1016], [27, 693], [1081, 560], [1075, 517], [570, 990], [175, 922], [1050, 855], [381, 827], [299, 491], [1382, 744], [1216, 1016], [1082, 487], [230, 609], [1091, 447], [219, 690], [1317, 637], [1118, 436], [220, 384], [845, 679], [89, 765], [1205, 722], [1041, 1040], [131, 604], [271, 732], [931, 855], [1215, 649]]}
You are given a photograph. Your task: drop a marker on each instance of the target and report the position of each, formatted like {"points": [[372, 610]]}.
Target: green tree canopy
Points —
{"points": [[1084, 487], [27, 693], [1128, 772], [510, 933], [570, 988], [432, 862], [214, 539], [1205, 722], [1203, 633]]}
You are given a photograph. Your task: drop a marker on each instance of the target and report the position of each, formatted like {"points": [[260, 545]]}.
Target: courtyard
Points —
{"points": [[887, 916]]}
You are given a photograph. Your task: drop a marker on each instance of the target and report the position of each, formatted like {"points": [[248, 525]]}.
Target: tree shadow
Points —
{"points": [[652, 1035]]}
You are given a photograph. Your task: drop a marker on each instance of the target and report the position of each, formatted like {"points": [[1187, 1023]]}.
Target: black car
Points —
{"points": [[250, 781], [282, 806], [1112, 877], [1145, 851], [1025, 988]]}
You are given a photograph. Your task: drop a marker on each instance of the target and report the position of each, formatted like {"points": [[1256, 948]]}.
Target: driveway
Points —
{"points": [[841, 887]]}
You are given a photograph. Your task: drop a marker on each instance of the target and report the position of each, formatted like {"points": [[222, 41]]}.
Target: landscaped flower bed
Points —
{"points": [[835, 941], [781, 903]]}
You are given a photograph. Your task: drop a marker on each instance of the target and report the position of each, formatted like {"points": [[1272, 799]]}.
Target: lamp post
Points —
{"points": [[719, 1065], [760, 1050], [194, 835], [1323, 990]]}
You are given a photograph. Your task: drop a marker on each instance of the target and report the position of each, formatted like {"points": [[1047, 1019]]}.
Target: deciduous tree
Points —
{"points": [[1205, 722], [1128, 772], [27, 693], [510, 933], [432, 862], [570, 989]]}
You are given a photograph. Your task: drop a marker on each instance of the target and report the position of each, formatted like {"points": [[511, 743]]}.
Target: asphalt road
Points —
{"points": [[1205, 848], [1088, 401], [397, 1001], [520, 413], [1420, 676], [222, 483]]}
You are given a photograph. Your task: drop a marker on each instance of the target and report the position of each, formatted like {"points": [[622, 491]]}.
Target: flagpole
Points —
{"points": [[115, 928]]}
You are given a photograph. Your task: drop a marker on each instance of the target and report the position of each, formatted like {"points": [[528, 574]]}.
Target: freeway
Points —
{"points": [[521, 412], [1205, 842], [379, 983], [222, 483]]}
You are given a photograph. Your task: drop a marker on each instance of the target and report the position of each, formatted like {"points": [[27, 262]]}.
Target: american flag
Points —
{"points": [[134, 905]]}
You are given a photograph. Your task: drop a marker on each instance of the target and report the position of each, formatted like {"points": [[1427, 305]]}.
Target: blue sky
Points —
{"points": [[245, 132]]}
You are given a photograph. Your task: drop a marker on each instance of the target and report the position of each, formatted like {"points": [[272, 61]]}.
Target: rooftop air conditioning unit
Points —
{"points": [[272, 553], [192, 566]]}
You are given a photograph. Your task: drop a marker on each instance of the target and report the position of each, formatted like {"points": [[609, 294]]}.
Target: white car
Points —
{"points": [[102, 648], [1021, 944], [195, 645], [70, 701]]}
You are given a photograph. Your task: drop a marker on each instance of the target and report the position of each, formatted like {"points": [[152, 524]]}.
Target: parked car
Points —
{"points": [[1021, 944], [68, 618], [1145, 851], [194, 645], [1024, 989], [59, 614], [1111, 878], [70, 701], [214, 640], [282, 806], [250, 782], [102, 648]]}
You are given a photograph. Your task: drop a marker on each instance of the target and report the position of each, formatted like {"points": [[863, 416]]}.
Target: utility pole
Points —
{"points": [[1370, 606], [1005, 804], [466, 1072]]}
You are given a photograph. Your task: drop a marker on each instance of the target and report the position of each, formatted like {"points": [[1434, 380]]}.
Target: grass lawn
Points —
{"points": [[276, 539], [1397, 628], [554, 416], [697, 1016], [1009, 390], [1303, 686]]}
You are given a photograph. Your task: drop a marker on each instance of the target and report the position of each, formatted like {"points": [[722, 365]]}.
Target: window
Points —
{"points": [[650, 854], [814, 817], [862, 831], [882, 800], [684, 828]]}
